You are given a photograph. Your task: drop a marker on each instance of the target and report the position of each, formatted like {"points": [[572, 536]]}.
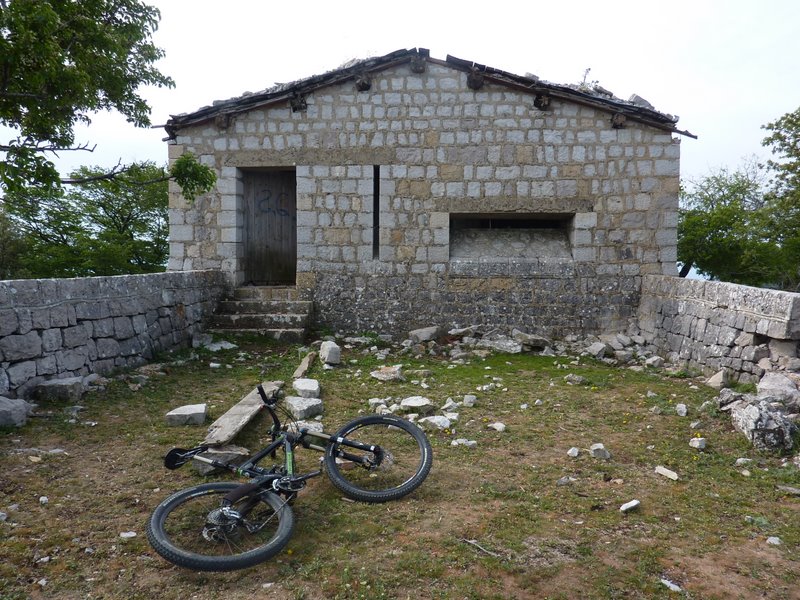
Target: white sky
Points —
{"points": [[725, 67]]}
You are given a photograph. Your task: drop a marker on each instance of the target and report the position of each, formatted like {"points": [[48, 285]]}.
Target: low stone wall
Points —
{"points": [[713, 325], [53, 328]]}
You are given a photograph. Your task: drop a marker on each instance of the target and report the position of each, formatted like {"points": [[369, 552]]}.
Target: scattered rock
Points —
{"points": [[671, 586], [774, 541], [573, 379], [464, 442], [530, 342], [437, 422], [307, 388], [469, 400], [217, 346], [330, 353], [14, 412], [43, 500], [69, 389], [765, 427], [718, 381], [681, 410], [778, 386], [666, 473], [501, 344], [573, 452], [426, 334], [599, 451], [500, 427], [393, 373], [191, 414], [449, 405], [303, 407], [629, 506], [792, 491], [305, 365], [126, 535], [417, 404], [600, 350], [698, 443], [654, 362]]}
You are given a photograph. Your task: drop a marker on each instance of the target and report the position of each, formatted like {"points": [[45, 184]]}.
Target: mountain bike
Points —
{"points": [[224, 526]]}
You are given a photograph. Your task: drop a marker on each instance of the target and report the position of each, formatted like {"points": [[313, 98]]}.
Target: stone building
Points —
{"points": [[405, 191]]}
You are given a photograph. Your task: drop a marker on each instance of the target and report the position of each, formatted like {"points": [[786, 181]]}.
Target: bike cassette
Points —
{"points": [[288, 484]]}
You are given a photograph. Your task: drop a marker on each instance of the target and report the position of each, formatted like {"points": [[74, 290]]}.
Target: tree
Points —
{"points": [[12, 248], [60, 62], [744, 226], [722, 229], [784, 141], [104, 227]]}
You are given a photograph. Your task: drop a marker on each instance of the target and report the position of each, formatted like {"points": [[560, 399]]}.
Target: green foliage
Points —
{"points": [[12, 247], [784, 140], [740, 227], [721, 229], [106, 226], [191, 176], [59, 63]]}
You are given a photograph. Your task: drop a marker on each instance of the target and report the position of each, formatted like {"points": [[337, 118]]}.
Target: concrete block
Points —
{"points": [[303, 408], [307, 388], [191, 414]]}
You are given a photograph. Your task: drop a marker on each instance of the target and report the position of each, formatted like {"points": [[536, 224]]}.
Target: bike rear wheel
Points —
{"points": [[195, 529], [394, 459]]}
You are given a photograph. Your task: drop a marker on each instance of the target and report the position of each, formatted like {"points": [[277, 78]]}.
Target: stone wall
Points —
{"points": [[442, 151], [715, 326], [53, 328]]}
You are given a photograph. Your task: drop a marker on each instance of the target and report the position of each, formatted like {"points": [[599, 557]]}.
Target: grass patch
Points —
{"points": [[490, 522]]}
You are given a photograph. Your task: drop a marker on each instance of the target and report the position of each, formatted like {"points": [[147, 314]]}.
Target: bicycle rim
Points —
{"points": [[195, 529], [398, 467]]}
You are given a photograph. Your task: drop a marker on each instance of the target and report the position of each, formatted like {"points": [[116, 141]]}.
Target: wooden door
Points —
{"points": [[270, 227]]}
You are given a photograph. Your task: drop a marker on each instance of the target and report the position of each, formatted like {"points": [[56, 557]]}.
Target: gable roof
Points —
{"points": [[635, 109]]}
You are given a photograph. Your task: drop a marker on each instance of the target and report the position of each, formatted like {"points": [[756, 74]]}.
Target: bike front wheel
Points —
{"points": [[378, 458], [197, 529]]}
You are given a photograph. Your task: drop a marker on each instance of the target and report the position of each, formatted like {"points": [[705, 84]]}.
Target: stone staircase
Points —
{"points": [[274, 311]]}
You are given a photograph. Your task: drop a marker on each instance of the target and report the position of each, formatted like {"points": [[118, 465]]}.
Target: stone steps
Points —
{"points": [[274, 311]]}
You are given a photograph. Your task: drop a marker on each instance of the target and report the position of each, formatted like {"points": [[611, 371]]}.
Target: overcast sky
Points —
{"points": [[725, 67]]}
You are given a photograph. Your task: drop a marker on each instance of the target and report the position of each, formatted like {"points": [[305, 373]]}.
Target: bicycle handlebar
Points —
{"points": [[264, 397]]}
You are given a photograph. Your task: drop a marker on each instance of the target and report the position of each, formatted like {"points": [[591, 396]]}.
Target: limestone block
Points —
{"points": [[782, 348], [14, 412], [307, 388], [191, 414], [330, 353], [425, 334], [766, 428], [417, 404], [599, 350], [302, 407], [70, 389], [778, 386], [20, 347]]}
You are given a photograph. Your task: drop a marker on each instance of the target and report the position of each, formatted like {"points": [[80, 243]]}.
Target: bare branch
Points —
{"points": [[54, 149]]}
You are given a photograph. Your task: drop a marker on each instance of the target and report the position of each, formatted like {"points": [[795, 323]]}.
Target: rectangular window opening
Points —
{"points": [[376, 211], [509, 237]]}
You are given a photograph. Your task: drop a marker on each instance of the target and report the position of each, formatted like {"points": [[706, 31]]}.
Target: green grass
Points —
{"points": [[487, 523]]}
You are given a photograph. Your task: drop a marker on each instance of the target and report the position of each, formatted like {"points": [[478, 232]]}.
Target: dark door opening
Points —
{"points": [[270, 227]]}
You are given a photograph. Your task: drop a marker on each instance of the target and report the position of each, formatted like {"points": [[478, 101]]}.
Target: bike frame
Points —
{"points": [[281, 477]]}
